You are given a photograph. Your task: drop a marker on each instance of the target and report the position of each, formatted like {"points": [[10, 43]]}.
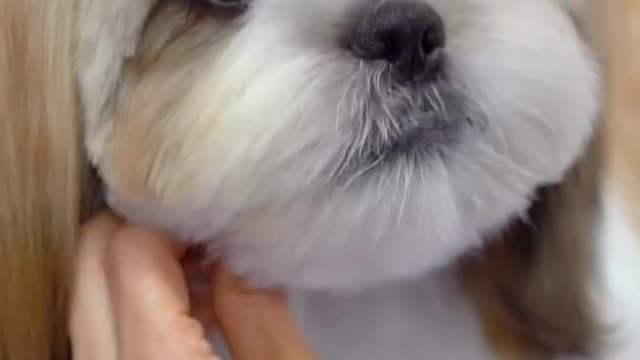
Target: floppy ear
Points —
{"points": [[107, 33], [532, 282]]}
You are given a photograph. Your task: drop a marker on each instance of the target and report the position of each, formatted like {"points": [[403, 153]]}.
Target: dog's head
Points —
{"points": [[339, 144]]}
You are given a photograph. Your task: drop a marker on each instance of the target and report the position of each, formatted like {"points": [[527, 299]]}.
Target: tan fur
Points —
{"points": [[39, 176], [158, 72], [533, 281], [531, 284], [615, 31]]}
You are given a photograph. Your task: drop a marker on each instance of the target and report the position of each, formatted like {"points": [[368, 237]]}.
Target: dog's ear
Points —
{"points": [[106, 34], [532, 282]]}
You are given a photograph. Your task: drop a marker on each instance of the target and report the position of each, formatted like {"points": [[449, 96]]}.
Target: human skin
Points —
{"points": [[130, 301]]}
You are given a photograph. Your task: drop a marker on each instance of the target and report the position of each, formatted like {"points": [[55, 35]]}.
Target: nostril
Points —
{"points": [[433, 38], [407, 34]]}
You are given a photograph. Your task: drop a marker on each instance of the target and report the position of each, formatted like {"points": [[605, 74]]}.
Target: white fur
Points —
{"points": [[270, 110], [430, 317], [264, 126]]}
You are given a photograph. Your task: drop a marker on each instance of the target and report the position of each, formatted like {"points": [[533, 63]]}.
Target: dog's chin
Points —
{"points": [[402, 220], [303, 247]]}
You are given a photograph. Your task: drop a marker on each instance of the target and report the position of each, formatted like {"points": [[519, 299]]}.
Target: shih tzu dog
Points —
{"points": [[422, 175]]}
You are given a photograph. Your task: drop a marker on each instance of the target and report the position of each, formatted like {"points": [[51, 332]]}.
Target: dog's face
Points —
{"points": [[340, 144]]}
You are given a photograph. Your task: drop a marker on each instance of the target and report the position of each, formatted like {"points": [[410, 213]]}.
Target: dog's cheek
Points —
{"points": [[106, 34], [142, 158]]}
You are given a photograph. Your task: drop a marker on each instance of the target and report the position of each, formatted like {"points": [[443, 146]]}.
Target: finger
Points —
{"points": [[255, 324], [151, 299], [144, 265], [91, 321], [233, 297]]}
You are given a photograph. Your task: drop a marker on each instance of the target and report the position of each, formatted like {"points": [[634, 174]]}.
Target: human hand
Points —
{"points": [[130, 301]]}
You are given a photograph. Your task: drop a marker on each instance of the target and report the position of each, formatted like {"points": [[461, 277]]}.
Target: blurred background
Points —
{"points": [[618, 23]]}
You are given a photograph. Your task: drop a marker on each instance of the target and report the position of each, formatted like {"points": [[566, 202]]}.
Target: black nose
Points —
{"points": [[408, 33]]}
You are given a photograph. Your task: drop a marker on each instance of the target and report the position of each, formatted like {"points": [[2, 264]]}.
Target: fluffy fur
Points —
{"points": [[458, 220], [300, 186], [305, 187]]}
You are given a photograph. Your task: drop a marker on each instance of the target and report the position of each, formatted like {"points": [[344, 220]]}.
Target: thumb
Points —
{"points": [[150, 298]]}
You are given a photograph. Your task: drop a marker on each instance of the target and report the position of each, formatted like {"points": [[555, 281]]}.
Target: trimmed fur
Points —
{"points": [[209, 151], [281, 223], [536, 278], [191, 113]]}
